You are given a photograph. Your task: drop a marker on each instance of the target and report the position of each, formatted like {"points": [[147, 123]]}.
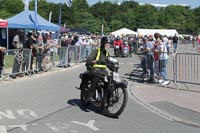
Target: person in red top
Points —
{"points": [[126, 45], [156, 58], [198, 39], [117, 43]]}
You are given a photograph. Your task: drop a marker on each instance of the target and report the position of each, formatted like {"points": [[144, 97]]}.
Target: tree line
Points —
{"points": [[113, 16]]}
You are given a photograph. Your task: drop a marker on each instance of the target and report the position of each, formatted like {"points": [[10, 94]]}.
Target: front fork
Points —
{"points": [[108, 89]]}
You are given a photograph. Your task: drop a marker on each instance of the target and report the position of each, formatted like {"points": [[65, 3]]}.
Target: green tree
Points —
{"points": [[145, 16], [9, 8], [196, 13], [177, 17], [113, 16]]}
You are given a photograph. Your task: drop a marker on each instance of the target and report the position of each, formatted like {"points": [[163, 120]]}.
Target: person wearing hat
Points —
{"points": [[148, 60], [96, 64], [17, 44], [2, 53]]}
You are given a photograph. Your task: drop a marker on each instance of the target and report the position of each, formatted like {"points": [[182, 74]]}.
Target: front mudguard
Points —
{"points": [[84, 75], [123, 84], [85, 78]]}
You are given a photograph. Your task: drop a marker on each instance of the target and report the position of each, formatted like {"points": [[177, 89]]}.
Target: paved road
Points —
{"points": [[49, 103]]}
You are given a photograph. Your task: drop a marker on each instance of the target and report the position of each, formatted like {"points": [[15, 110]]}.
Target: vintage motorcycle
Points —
{"points": [[113, 99], [117, 51], [126, 50]]}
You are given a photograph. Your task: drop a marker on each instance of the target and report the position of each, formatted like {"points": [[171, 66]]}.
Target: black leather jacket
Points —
{"points": [[103, 60]]}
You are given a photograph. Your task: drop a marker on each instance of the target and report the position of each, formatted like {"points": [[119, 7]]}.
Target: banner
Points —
{"points": [[69, 3], [3, 23]]}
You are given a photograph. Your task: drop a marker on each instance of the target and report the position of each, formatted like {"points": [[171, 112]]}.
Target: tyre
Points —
{"points": [[85, 84], [116, 104], [117, 54], [83, 102]]}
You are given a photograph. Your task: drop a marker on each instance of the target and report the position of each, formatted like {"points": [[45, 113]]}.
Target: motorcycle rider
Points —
{"points": [[119, 43], [96, 63]]}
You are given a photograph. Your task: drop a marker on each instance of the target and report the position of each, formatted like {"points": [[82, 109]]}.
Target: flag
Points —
{"points": [[69, 3], [26, 5], [36, 25], [102, 28], [50, 14], [35, 12]]}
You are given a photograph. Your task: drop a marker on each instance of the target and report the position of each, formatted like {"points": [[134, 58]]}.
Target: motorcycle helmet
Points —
{"points": [[125, 43], [104, 40]]}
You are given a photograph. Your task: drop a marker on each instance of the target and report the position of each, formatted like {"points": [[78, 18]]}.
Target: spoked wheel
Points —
{"points": [[116, 104], [84, 87]]}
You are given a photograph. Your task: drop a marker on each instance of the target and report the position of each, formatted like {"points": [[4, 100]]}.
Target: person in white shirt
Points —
{"points": [[163, 60], [82, 45]]}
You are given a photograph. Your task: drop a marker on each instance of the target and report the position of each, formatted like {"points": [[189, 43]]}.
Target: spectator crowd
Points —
{"points": [[43, 48]]}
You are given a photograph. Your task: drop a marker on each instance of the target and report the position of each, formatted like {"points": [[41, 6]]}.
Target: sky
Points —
{"points": [[191, 3]]}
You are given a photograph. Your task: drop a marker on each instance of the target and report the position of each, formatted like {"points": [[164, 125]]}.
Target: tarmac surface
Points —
{"points": [[179, 105]]}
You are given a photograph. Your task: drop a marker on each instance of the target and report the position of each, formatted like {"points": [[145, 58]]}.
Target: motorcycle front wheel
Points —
{"points": [[116, 102], [84, 87], [83, 101]]}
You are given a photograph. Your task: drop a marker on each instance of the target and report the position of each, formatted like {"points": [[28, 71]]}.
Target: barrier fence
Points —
{"points": [[187, 68], [181, 68], [20, 62], [188, 46]]}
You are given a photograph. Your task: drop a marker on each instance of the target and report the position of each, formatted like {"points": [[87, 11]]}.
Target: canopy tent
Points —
{"points": [[26, 20], [168, 32], [80, 31], [124, 31]]}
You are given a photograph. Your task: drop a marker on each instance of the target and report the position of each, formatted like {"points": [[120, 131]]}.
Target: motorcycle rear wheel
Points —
{"points": [[116, 104]]}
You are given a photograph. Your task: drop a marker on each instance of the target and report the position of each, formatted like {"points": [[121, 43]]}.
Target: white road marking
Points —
{"points": [[8, 114], [3, 129], [59, 127], [27, 113], [90, 124]]}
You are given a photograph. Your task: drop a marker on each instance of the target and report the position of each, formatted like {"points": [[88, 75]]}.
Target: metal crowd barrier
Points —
{"points": [[170, 66], [188, 46], [181, 69], [73, 54], [169, 63], [21, 61], [187, 68], [17, 62]]}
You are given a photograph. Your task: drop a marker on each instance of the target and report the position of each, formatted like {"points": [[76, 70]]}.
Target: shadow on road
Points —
{"points": [[135, 74], [91, 107]]}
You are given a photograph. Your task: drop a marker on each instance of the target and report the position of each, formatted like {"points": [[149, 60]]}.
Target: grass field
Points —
{"points": [[9, 60]]}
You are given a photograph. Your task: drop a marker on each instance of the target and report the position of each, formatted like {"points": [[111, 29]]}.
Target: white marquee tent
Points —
{"points": [[168, 32], [124, 31]]}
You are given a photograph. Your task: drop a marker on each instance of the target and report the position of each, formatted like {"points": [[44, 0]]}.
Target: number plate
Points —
{"points": [[116, 46], [116, 77]]}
